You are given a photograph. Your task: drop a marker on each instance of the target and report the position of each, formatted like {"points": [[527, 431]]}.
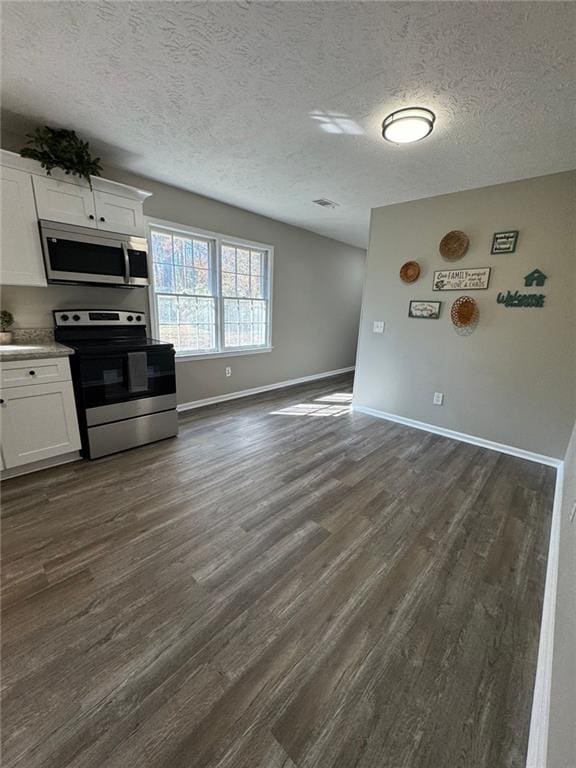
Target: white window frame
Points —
{"points": [[218, 239]]}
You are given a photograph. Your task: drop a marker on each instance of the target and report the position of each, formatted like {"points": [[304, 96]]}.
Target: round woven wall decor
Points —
{"points": [[454, 245], [464, 311], [410, 272]]}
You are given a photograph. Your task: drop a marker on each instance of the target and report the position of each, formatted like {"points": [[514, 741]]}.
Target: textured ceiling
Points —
{"points": [[271, 105]]}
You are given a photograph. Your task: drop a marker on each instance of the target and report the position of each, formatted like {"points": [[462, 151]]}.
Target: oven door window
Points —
{"points": [[105, 379]]}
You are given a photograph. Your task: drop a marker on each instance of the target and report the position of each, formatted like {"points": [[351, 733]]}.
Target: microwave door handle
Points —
{"points": [[126, 263]]}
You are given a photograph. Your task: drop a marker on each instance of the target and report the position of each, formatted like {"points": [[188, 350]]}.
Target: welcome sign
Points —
{"points": [[461, 279]]}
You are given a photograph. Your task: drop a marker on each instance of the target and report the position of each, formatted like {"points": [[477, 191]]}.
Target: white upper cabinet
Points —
{"points": [[116, 213], [21, 262], [60, 201], [28, 194]]}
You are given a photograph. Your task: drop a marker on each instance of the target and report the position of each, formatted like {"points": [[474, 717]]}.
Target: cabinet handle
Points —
{"points": [[1, 401], [91, 217], [32, 373], [102, 218]]}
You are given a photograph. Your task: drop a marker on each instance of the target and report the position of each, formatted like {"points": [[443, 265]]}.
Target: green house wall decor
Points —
{"points": [[536, 278]]}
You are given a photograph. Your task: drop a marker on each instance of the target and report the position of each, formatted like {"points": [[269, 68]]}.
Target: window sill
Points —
{"points": [[186, 357]]}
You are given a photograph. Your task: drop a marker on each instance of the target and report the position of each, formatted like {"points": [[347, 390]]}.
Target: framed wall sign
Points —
{"points": [[427, 310], [461, 279], [504, 242]]}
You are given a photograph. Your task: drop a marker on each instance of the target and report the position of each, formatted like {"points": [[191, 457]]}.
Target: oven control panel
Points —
{"points": [[73, 317]]}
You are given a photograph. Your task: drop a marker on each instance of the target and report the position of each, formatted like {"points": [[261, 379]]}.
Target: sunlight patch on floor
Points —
{"points": [[336, 404]]}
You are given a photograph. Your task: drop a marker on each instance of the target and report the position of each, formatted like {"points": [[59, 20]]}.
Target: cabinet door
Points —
{"points": [[38, 422], [61, 201], [22, 262], [119, 214]]}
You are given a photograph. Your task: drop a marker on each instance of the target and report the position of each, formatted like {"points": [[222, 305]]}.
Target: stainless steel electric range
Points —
{"points": [[124, 382]]}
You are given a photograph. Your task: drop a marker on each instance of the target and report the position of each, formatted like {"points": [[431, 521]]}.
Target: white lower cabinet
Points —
{"points": [[38, 421]]}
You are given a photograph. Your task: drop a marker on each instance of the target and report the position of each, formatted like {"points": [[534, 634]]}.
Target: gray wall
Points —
{"points": [[562, 734], [513, 379], [316, 305]]}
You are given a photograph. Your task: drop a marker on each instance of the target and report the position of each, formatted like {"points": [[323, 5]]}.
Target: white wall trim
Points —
{"points": [[257, 390], [36, 466], [540, 719], [480, 441]]}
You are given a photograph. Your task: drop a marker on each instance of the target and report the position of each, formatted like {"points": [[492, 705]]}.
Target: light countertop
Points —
{"points": [[33, 351]]}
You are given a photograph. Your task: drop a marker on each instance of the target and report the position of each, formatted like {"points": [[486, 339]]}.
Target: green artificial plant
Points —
{"points": [[61, 148], [6, 320]]}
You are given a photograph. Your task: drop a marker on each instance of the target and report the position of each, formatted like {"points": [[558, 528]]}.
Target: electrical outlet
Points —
{"points": [[228, 371], [378, 326], [438, 398]]}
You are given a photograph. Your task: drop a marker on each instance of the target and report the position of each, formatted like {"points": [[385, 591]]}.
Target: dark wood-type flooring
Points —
{"points": [[286, 585]]}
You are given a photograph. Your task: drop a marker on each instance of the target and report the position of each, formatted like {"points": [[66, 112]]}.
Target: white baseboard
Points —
{"points": [[540, 719], [36, 466], [258, 390], [480, 441]]}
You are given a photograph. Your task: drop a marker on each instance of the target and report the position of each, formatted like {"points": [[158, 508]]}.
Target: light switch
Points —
{"points": [[438, 398], [378, 326]]}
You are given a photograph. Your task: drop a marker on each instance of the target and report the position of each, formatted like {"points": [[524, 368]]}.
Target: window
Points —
{"points": [[210, 294]]}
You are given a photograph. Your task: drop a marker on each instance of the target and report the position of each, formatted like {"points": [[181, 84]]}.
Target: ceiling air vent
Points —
{"points": [[325, 203]]}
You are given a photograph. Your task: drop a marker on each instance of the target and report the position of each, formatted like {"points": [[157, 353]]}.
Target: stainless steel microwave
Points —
{"points": [[82, 255]]}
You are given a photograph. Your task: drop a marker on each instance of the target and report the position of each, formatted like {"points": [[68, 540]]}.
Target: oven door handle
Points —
{"points": [[126, 263]]}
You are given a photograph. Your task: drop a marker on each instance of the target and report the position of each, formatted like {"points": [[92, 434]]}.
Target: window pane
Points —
{"points": [[259, 330], [162, 247], [187, 313], [167, 309], [243, 261], [245, 335], [256, 286], [245, 312], [179, 246], [228, 259], [188, 337], [231, 334], [180, 279], [206, 337], [243, 285], [206, 310], [255, 262], [169, 333], [164, 278], [202, 282], [231, 312], [228, 284], [201, 254], [259, 308]]}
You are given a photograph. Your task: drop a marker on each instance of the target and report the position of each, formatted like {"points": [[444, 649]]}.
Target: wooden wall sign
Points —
{"points": [[504, 242], [516, 299], [461, 279], [427, 310]]}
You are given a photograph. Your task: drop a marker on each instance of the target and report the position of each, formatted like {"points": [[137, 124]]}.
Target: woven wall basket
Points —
{"points": [[464, 312], [410, 272], [454, 245]]}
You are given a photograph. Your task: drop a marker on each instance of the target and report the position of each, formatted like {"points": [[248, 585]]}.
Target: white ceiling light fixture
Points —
{"points": [[407, 125]]}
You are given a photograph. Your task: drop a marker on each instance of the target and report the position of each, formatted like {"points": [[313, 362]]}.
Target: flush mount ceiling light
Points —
{"points": [[407, 125]]}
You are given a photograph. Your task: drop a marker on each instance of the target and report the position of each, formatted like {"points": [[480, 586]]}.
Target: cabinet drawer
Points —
{"points": [[19, 373]]}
